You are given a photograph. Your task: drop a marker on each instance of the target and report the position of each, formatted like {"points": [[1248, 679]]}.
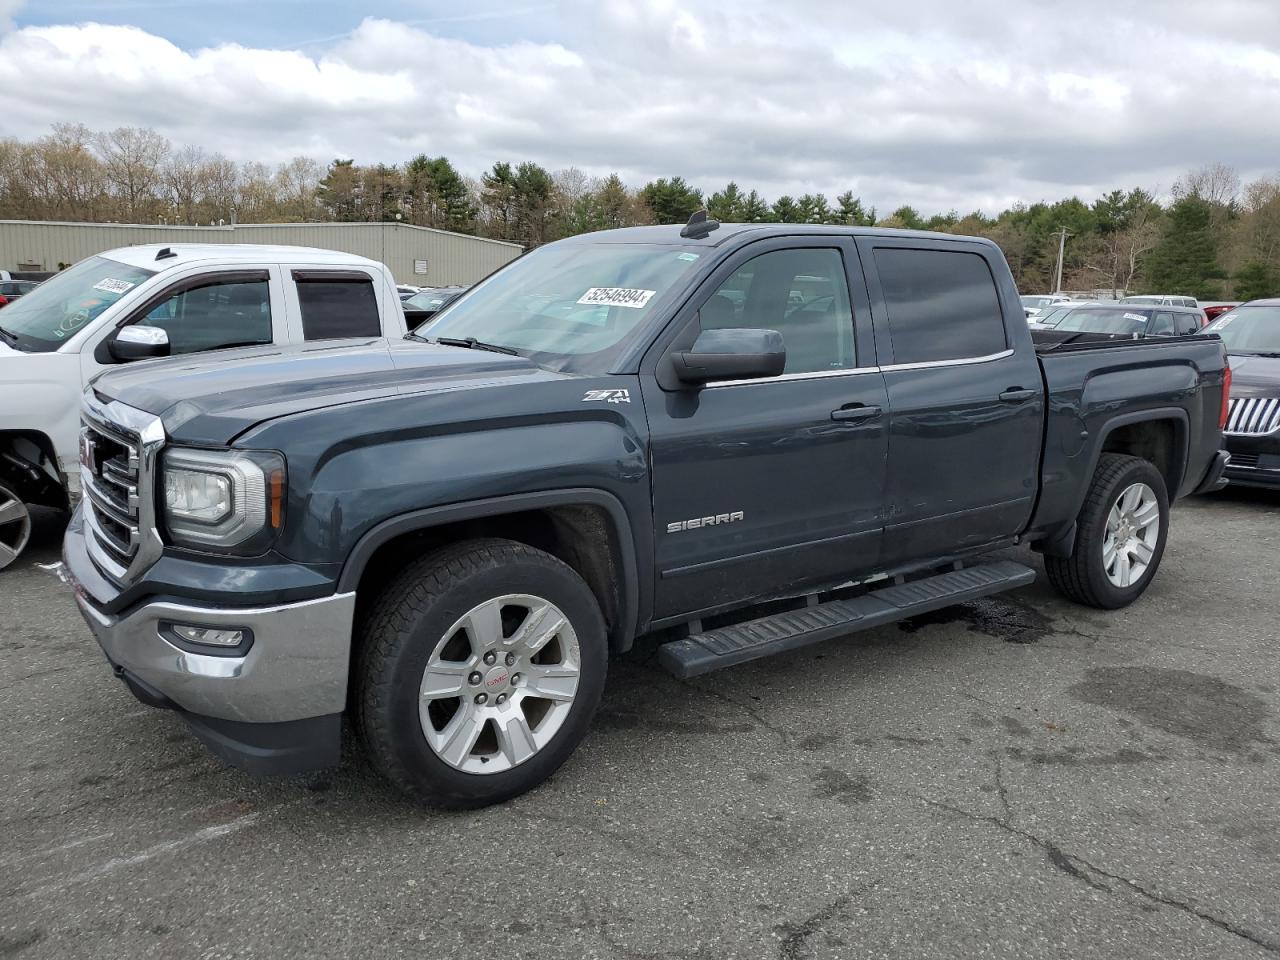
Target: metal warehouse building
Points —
{"points": [[415, 255]]}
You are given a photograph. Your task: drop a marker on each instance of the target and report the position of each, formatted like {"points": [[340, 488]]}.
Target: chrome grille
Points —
{"points": [[1253, 415], [118, 447]]}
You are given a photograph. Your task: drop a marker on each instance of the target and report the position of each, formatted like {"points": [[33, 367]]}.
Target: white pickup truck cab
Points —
{"points": [[145, 303]]}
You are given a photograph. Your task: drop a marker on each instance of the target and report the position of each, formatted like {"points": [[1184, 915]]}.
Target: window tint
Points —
{"points": [[800, 293], [1162, 325], [215, 315], [941, 305], [338, 308]]}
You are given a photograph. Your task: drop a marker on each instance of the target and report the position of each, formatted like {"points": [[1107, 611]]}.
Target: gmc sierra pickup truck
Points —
{"points": [[737, 439]]}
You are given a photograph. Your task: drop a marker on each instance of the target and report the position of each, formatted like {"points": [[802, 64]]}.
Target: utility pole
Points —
{"points": [[1062, 244]]}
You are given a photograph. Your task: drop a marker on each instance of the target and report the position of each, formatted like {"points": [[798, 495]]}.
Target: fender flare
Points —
{"points": [[425, 519], [1062, 542]]}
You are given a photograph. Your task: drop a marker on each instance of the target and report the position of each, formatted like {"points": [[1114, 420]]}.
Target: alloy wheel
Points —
{"points": [[1133, 532]]}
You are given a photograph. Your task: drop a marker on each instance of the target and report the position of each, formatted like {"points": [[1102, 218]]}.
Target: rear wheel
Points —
{"points": [[1120, 535], [481, 667], [15, 526]]}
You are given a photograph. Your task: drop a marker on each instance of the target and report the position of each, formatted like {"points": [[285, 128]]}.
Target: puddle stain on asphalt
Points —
{"points": [[992, 616], [832, 784], [1205, 710]]}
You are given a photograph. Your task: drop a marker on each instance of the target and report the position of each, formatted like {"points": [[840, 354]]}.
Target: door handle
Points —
{"points": [[856, 411], [1018, 395]]}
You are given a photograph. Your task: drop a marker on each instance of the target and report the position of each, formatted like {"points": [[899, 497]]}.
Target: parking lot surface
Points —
{"points": [[1011, 778]]}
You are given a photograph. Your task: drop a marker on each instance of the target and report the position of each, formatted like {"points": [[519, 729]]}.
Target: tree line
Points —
{"points": [[1215, 237]]}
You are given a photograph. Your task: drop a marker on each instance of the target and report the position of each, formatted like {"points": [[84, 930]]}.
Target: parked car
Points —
{"points": [[11, 290], [1160, 300], [630, 432], [1033, 304], [1127, 322], [429, 301], [1251, 333], [404, 291], [144, 302], [1215, 309], [1048, 316]]}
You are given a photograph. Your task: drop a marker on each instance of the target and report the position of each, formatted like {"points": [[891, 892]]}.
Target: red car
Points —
{"points": [[1214, 310]]}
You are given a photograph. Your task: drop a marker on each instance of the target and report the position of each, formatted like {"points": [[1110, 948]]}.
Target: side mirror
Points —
{"points": [[139, 342], [731, 354]]}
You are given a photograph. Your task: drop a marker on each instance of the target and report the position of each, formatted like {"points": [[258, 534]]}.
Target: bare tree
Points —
{"points": [[1215, 183], [297, 181], [184, 181], [133, 158]]}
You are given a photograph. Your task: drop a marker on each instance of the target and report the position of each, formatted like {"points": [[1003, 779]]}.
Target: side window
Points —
{"points": [[214, 316], [337, 306], [802, 294], [941, 305], [1162, 325]]}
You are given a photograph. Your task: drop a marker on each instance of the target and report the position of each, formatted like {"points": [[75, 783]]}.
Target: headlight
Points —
{"points": [[228, 500]]}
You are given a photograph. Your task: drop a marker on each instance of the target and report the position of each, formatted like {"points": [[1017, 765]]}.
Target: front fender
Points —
{"points": [[40, 393]]}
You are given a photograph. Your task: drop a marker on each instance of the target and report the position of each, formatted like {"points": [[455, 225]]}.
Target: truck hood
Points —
{"points": [[1254, 376], [212, 400]]}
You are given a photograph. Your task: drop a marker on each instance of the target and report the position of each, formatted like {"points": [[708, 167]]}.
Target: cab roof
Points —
{"points": [[144, 254], [670, 234]]}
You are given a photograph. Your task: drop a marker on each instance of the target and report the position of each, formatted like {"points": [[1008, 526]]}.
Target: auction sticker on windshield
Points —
{"points": [[617, 297], [1135, 316], [108, 285]]}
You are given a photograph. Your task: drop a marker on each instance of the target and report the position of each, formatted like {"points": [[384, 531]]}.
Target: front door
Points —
{"points": [[764, 487]]}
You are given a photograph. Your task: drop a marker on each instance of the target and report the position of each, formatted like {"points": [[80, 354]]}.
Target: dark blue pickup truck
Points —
{"points": [[740, 439]]}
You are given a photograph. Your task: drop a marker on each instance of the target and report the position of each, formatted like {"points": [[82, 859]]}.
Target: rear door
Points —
{"points": [[762, 487], [967, 409]]}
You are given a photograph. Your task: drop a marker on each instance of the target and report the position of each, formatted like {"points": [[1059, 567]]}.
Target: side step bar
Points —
{"points": [[728, 646]]}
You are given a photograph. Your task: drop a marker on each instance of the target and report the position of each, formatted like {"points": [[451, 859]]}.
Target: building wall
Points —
{"points": [[452, 258]]}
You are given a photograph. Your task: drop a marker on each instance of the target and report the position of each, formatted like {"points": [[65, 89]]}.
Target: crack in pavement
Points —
{"points": [[1071, 864], [795, 936]]}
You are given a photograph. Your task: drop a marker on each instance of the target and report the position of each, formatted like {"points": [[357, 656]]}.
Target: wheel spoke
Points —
{"points": [[12, 511], [1143, 552], [553, 682], [1109, 553], [443, 679], [459, 736], [515, 739], [484, 625], [1123, 571], [1113, 518], [1146, 513], [1129, 502], [7, 555], [539, 626]]}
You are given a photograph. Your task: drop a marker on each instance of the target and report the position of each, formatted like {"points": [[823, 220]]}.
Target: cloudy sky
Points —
{"points": [[939, 103]]}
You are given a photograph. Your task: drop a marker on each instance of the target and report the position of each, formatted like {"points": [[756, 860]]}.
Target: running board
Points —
{"points": [[728, 646]]}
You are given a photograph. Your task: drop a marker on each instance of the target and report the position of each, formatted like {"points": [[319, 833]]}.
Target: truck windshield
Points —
{"points": [[569, 307], [1243, 330], [57, 309], [1113, 321]]}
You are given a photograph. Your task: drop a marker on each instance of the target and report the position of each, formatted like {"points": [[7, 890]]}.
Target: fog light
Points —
{"points": [[209, 636]]}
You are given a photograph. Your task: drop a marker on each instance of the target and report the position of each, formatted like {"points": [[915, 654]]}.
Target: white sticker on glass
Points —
{"points": [[1135, 316], [617, 297], [109, 285]]}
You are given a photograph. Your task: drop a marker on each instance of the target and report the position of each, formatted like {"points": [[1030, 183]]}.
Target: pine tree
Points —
{"points": [[1185, 261]]}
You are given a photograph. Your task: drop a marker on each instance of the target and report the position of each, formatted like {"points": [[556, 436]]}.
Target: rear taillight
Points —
{"points": [[3, 300], [1226, 396]]}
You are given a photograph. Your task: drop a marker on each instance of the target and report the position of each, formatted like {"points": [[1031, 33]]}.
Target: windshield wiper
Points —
{"points": [[8, 336], [471, 343]]}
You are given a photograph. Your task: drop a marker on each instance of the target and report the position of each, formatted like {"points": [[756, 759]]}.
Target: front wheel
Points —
{"points": [[1120, 535], [481, 667], [15, 526]]}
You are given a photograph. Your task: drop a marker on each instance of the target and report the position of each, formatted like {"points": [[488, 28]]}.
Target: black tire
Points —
{"points": [[1082, 577], [410, 618]]}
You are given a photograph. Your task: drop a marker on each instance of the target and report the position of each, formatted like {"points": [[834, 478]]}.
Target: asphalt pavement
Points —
{"points": [[1016, 777]]}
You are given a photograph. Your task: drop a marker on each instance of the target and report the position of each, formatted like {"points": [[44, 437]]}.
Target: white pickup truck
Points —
{"points": [[149, 302]]}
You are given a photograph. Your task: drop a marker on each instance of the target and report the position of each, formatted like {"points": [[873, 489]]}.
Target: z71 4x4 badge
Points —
{"points": [[609, 396]]}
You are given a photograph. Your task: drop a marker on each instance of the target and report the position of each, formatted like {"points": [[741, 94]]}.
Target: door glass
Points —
{"points": [[215, 316], [1162, 325], [941, 305], [800, 293], [338, 308]]}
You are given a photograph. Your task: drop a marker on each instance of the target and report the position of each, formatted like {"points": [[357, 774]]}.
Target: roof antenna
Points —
{"points": [[165, 254], [699, 226]]}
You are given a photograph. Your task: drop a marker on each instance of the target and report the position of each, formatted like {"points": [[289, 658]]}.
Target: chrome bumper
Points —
{"points": [[296, 667]]}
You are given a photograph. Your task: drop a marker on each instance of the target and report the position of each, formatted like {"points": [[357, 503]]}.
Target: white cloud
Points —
{"points": [[934, 103]]}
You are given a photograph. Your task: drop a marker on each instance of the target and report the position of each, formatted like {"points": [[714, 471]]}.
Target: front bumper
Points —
{"points": [[262, 710], [1255, 461]]}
